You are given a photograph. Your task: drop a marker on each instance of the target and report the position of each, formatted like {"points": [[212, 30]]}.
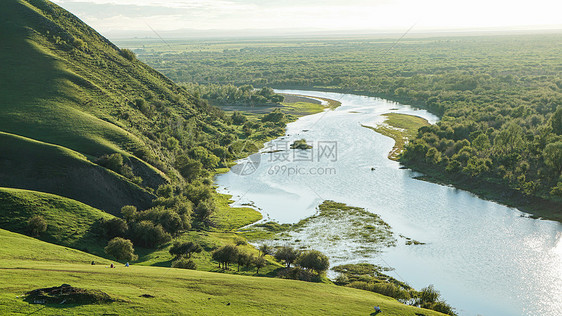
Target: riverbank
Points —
{"points": [[401, 128]]}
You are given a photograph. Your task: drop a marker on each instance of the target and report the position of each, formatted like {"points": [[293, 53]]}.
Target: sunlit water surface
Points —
{"points": [[485, 258]]}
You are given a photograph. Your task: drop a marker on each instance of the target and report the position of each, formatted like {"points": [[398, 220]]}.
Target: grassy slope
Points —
{"points": [[42, 88], [27, 264], [78, 98], [401, 128], [69, 223], [33, 165]]}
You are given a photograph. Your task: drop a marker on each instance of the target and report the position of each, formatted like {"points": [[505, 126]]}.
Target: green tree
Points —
{"points": [[204, 210], [259, 262], [183, 263], [243, 259], [509, 139], [313, 260], [36, 225], [201, 154], [189, 169], [226, 255], [481, 143], [128, 54], [553, 156], [121, 249], [114, 227], [172, 143], [129, 212], [287, 254], [146, 234], [556, 121], [264, 250], [187, 249]]}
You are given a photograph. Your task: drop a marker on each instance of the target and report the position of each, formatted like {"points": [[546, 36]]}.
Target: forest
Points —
{"points": [[499, 97]]}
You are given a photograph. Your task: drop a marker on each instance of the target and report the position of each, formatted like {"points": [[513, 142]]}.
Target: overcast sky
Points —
{"points": [[377, 15]]}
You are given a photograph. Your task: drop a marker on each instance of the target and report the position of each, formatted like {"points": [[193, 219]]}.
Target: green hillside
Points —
{"points": [[69, 223], [62, 83], [28, 264], [34, 165]]}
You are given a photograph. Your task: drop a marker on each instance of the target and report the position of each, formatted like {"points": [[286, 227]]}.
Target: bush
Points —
{"points": [[238, 118], [113, 162], [313, 260], [172, 143], [180, 249], [298, 274], [264, 250], [188, 168], [171, 221], [79, 44], [226, 255], [36, 225], [204, 210], [391, 290], [121, 249], [129, 212], [198, 192], [148, 235], [287, 254], [184, 263], [259, 262], [128, 54], [115, 227]]}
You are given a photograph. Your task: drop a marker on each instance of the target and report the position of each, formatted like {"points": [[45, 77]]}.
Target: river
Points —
{"points": [[485, 258]]}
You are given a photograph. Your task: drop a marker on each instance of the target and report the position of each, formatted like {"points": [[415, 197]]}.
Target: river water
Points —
{"points": [[485, 258]]}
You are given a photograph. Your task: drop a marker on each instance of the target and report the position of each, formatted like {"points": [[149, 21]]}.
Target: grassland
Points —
{"points": [[28, 264], [401, 128], [69, 223], [30, 164]]}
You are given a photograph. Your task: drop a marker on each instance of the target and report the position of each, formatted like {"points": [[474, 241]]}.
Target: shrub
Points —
{"points": [[265, 250], [287, 254], [79, 44], [188, 168], [198, 193], [172, 143], [313, 260], [184, 263], [428, 295], [226, 255], [391, 290], [259, 262], [274, 116], [202, 155], [121, 249], [115, 227], [146, 234], [128, 54], [204, 210], [238, 118], [180, 249], [113, 162], [36, 225], [169, 219], [298, 274], [129, 212]]}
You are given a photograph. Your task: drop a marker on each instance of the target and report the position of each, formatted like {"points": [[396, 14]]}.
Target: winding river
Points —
{"points": [[485, 258]]}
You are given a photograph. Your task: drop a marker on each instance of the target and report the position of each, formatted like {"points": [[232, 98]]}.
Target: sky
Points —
{"points": [[109, 16]]}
